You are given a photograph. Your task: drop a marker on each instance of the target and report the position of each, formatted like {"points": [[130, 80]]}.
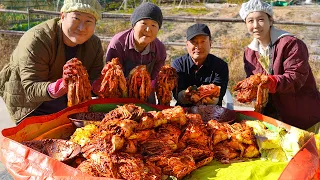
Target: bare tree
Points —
{"points": [[185, 3], [57, 7], [124, 4]]}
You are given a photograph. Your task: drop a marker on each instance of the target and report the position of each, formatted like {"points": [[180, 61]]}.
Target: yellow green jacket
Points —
{"points": [[36, 62]]}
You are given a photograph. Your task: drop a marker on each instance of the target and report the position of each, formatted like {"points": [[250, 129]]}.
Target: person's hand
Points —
{"points": [[190, 91], [215, 100], [69, 70], [209, 100], [57, 89], [96, 85], [271, 84], [182, 99]]}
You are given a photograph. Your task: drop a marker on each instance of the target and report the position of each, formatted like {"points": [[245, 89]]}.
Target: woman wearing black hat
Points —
{"points": [[139, 45]]}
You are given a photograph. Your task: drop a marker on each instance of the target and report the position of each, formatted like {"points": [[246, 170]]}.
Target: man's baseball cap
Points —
{"points": [[198, 29]]}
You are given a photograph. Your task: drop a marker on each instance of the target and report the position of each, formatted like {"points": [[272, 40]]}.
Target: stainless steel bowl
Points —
{"points": [[84, 118], [215, 112]]}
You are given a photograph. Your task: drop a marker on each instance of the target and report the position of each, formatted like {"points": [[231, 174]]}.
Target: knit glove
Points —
{"points": [[69, 70], [57, 89], [96, 85], [60, 87], [153, 85], [272, 84]]}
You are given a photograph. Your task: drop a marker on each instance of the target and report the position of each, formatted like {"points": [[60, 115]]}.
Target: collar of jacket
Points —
{"points": [[193, 65], [275, 33], [60, 32]]}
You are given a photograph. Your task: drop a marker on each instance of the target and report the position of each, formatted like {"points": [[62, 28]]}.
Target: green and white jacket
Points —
{"points": [[38, 61]]}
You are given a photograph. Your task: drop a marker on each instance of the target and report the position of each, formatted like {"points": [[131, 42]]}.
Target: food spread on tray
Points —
{"points": [[133, 144], [130, 143]]}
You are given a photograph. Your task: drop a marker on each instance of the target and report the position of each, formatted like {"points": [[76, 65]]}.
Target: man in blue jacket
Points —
{"points": [[199, 67]]}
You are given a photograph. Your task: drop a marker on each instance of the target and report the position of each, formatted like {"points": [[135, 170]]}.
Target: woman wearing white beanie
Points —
{"points": [[33, 83], [293, 94]]}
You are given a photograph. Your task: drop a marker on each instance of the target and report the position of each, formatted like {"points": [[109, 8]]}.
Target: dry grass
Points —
{"points": [[189, 11], [108, 28], [315, 66], [7, 45], [174, 52], [234, 58]]}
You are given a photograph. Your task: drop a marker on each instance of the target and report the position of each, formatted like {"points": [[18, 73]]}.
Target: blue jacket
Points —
{"points": [[213, 70]]}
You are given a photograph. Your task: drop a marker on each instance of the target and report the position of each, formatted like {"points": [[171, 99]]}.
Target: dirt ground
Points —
{"points": [[222, 31], [175, 32]]}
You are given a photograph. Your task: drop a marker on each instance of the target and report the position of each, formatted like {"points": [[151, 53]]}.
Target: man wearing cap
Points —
{"points": [[293, 94], [140, 45], [33, 82], [199, 67]]}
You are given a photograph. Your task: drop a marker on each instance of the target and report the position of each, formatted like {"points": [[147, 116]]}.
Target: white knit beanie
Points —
{"points": [[254, 6], [92, 7]]}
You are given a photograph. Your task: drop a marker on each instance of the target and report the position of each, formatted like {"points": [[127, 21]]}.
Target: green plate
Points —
{"points": [[110, 106], [252, 170], [244, 117]]}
